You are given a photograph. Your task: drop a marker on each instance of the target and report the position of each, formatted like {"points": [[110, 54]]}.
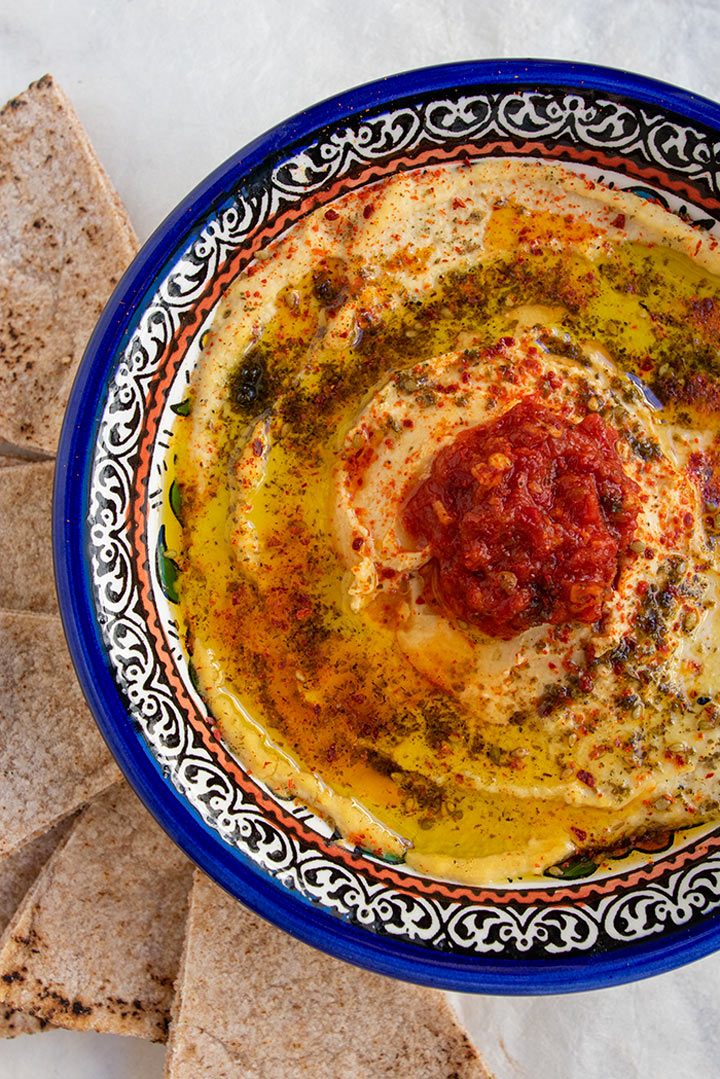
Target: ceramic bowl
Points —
{"points": [[591, 925]]}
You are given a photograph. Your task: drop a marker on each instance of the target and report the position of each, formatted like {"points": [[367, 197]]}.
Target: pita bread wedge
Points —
{"points": [[52, 757], [96, 944], [17, 873], [26, 569], [19, 870], [253, 1003], [65, 240]]}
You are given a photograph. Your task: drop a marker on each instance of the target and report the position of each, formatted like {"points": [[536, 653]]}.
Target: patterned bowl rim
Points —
{"points": [[240, 876]]}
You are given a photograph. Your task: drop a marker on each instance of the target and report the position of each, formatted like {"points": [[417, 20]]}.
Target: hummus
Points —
{"points": [[449, 486]]}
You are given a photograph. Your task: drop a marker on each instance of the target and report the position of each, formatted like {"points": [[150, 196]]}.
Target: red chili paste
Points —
{"points": [[526, 518]]}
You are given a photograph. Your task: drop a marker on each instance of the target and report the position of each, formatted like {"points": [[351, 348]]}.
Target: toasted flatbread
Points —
{"points": [[96, 944], [254, 1003], [26, 569], [14, 1022], [18, 871], [52, 757], [65, 240]]}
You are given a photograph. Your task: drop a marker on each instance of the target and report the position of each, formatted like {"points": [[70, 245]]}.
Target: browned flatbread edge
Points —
{"points": [[97, 941]]}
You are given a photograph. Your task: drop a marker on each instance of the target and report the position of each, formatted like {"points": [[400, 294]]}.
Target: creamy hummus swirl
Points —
{"points": [[339, 368]]}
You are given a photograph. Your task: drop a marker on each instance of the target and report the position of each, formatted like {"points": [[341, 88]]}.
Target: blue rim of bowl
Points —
{"points": [[232, 871]]}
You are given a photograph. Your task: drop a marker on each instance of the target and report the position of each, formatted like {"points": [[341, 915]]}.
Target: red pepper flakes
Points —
{"points": [[585, 681], [619, 221], [586, 777], [357, 543], [257, 447], [332, 215], [696, 389], [581, 835], [368, 210], [597, 751]]}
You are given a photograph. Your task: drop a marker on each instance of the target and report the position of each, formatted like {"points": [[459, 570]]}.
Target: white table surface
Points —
{"points": [[167, 89]]}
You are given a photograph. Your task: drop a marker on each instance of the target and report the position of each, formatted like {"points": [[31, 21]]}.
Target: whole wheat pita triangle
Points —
{"points": [[52, 757], [18, 871], [96, 943], [254, 1003], [65, 240], [26, 568]]}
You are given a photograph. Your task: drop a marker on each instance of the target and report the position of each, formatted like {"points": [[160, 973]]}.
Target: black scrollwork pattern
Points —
{"points": [[528, 931], [682, 900], [452, 119]]}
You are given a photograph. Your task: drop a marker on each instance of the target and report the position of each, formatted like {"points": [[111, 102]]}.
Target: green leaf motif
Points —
{"points": [[167, 570], [194, 679], [575, 869], [182, 409], [175, 500], [392, 859]]}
